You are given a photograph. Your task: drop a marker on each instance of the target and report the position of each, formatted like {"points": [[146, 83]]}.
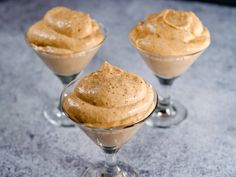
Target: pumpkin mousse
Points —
{"points": [[66, 40], [110, 105], [170, 41]]}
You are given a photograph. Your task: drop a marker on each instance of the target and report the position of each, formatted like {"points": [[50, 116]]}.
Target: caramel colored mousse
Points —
{"points": [[66, 40], [170, 41], [110, 98]]}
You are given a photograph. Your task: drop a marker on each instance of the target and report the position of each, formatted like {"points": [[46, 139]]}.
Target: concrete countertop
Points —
{"points": [[202, 146]]}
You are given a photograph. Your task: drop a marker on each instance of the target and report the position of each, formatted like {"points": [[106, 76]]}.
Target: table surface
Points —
{"points": [[203, 145]]}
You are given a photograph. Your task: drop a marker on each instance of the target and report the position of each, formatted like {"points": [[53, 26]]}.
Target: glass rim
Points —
{"points": [[104, 31], [163, 56], [107, 129]]}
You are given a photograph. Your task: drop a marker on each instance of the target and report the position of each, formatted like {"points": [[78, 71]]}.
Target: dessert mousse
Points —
{"points": [[170, 41], [110, 98], [66, 40]]}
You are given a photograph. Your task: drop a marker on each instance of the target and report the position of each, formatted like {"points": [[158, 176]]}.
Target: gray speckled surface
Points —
{"points": [[204, 145]]}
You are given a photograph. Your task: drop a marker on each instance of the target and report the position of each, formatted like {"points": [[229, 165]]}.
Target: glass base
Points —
{"points": [[98, 171], [168, 116], [53, 114]]}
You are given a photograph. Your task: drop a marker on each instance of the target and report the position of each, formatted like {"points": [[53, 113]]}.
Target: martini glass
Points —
{"points": [[110, 140], [66, 67], [169, 112]]}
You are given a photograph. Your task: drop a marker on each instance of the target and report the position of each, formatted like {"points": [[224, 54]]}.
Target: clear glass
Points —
{"points": [[169, 112], [110, 140], [66, 67]]}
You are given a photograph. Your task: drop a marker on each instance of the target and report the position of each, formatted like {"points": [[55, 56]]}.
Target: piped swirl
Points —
{"points": [[171, 33], [63, 30], [110, 97]]}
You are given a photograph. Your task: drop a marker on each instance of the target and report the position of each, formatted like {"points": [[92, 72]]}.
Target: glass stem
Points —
{"points": [[111, 167], [65, 80], [59, 107], [165, 92]]}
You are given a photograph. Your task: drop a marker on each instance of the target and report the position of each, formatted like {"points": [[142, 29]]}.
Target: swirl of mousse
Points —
{"points": [[63, 30], [171, 33], [110, 97]]}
